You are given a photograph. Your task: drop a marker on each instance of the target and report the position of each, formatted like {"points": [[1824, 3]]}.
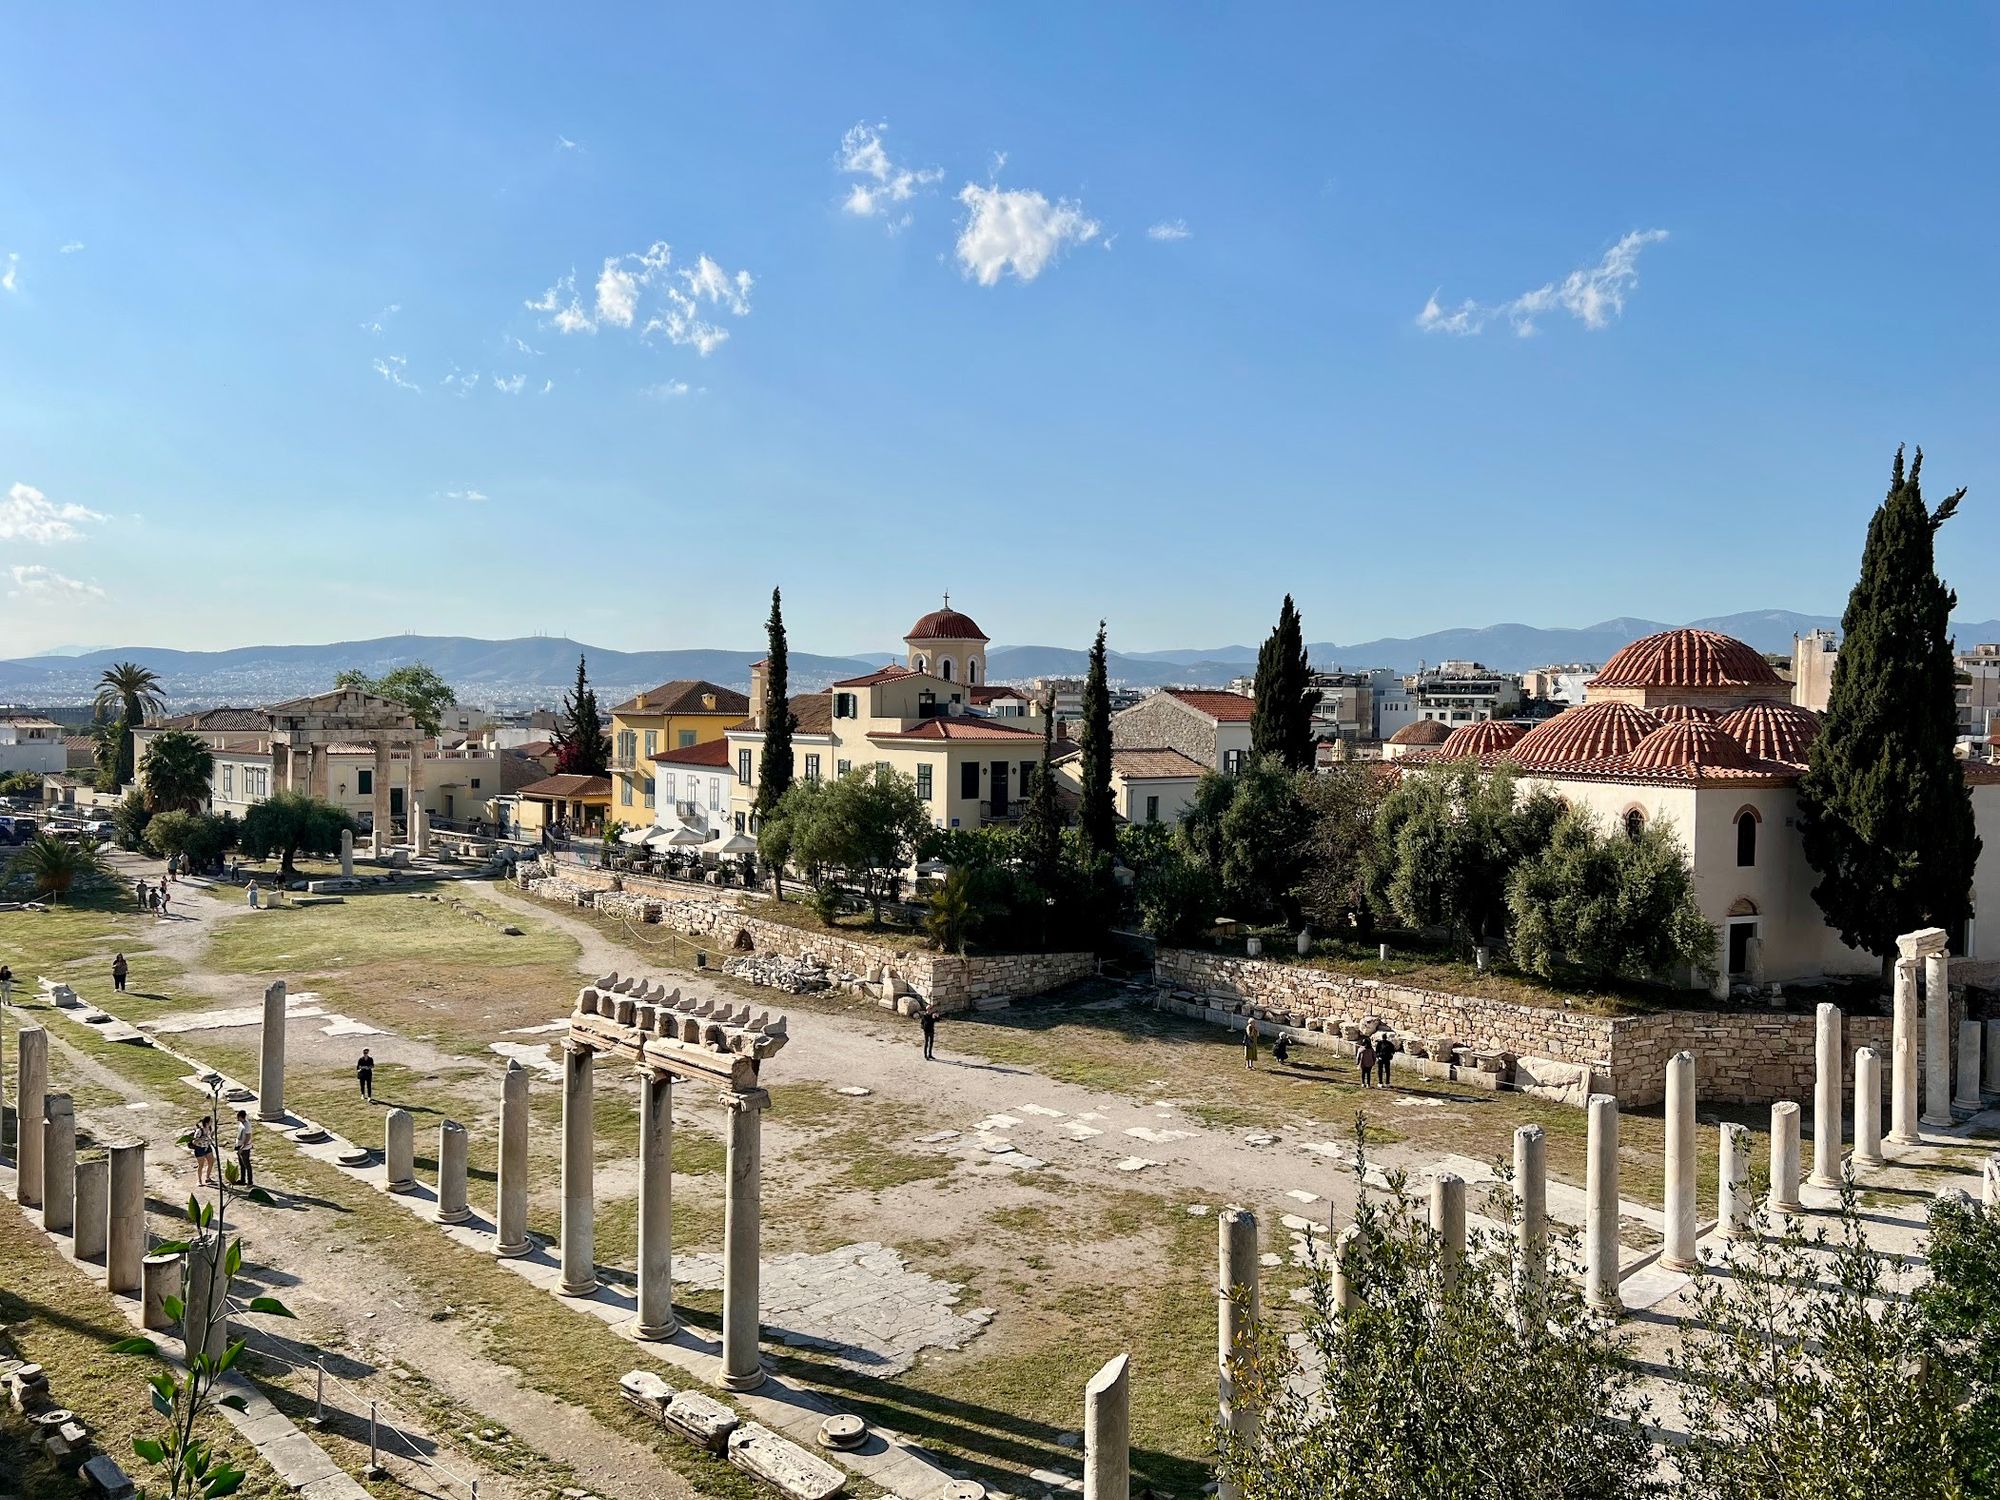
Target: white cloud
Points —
{"points": [[679, 299], [10, 279], [564, 307], [1593, 295], [1016, 230], [885, 181], [547, 386], [666, 390], [464, 382], [564, 143], [512, 385], [470, 496], [393, 369], [617, 294], [1169, 229], [376, 324], [522, 346], [34, 581], [27, 515], [72, 247]]}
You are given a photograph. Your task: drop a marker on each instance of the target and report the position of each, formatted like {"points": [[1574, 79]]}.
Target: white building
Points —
{"points": [[29, 742]]}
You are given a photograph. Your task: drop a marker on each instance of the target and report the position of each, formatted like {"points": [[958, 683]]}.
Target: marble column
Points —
{"points": [[1237, 1311], [1990, 1083], [399, 1151], [656, 1205], [1785, 1157], [1734, 1206], [1903, 1058], [1678, 1254], [1937, 1039], [1531, 1208], [420, 828], [93, 1208], [1989, 1182], [380, 788], [579, 1194], [1448, 1224], [205, 1299], [271, 1081], [741, 1369], [58, 1164], [1867, 1108], [160, 1277], [1600, 1230], [1107, 1433], [31, 1087], [452, 1207], [1827, 1060], [511, 1214], [1967, 1097], [347, 853], [1345, 1297], [126, 1248]]}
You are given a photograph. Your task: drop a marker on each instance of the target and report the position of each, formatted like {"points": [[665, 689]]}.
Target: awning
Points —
{"points": [[635, 835]]}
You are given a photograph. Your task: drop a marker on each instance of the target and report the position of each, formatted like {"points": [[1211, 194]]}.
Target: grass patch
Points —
{"points": [[370, 929]]}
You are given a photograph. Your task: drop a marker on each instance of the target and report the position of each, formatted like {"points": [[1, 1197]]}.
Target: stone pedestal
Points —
{"points": [[271, 1083], [511, 1217], [452, 1207], [1448, 1224], [1903, 1058], [58, 1164], [741, 1228], [1937, 1039], [347, 853], [656, 1206], [93, 1208], [1734, 1208], [1827, 1060], [1531, 1212], [205, 1299], [1785, 1157], [1600, 1231], [126, 1235], [579, 1194], [1970, 1034], [1678, 1254], [399, 1151], [1237, 1311], [1107, 1433], [160, 1278], [31, 1087], [1867, 1108]]}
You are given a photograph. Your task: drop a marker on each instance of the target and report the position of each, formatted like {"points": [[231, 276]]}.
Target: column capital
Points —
{"points": [[572, 1047], [746, 1101]]}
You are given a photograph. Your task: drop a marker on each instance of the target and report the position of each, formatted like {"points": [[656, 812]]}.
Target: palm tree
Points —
{"points": [[176, 772], [56, 865], [133, 690]]}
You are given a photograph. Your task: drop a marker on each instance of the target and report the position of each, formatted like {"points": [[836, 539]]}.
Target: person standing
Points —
{"points": [[164, 899], [253, 895], [927, 1023], [202, 1143], [1364, 1059], [364, 1073], [1250, 1035], [246, 1178], [143, 892], [119, 969], [1385, 1048]]}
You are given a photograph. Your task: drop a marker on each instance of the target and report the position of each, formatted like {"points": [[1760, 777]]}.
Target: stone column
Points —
{"points": [[1991, 1082], [1937, 1039], [126, 1249], [93, 1208], [741, 1369], [1989, 1183], [1903, 1058], [160, 1277], [1448, 1224], [399, 1151], [58, 1164], [452, 1207], [347, 853], [420, 833], [511, 1216], [1107, 1433], [1967, 1097], [579, 1202], [380, 788], [1867, 1108], [205, 1299], [1237, 1311], [1678, 1253], [1827, 1059], [31, 1087], [1600, 1232], [656, 1205], [1734, 1207], [1531, 1198], [271, 1083], [1785, 1157]]}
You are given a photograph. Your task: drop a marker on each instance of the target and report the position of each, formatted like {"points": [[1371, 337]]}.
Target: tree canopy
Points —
{"points": [[774, 768], [288, 824], [1446, 842], [1098, 814], [1042, 824], [175, 772], [417, 687], [582, 746], [1249, 831], [131, 692], [1281, 723]]}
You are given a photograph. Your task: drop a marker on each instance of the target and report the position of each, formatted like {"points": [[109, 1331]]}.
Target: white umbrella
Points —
{"points": [[659, 838], [683, 837], [634, 835], [934, 867], [736, 843]]}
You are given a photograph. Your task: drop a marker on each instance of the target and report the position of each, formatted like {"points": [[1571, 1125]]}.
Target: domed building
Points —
{"points": [[1416, 736], [949, 644]]}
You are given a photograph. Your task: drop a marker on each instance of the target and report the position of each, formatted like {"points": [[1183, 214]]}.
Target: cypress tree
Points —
{"points": [[1041, 827], [774, 772], [582, 746], [1885, 812], [1098, 815], [1281, 724]]}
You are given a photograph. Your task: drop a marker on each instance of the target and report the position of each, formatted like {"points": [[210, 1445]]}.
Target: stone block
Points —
{"points": [[783, 1464], [702, 1418], [646, 1391], [1545, 1078], [105, 1478]]}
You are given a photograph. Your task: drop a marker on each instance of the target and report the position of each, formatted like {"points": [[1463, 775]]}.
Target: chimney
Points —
{"points": [[641, 701], [708, 700]]}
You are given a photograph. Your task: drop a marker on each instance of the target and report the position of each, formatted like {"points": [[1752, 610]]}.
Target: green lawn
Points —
{"points": [[376, 928]]}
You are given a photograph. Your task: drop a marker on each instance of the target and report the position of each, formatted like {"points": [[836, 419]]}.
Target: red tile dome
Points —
{"points": [[1683, 713], [946, 625], [1421, 732], [1689, 745], [1686, 658], [1774, 731], [1487, 737], [1596, 731]]}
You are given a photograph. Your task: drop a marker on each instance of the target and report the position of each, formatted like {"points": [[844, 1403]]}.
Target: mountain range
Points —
{"points": [[538, 669]]}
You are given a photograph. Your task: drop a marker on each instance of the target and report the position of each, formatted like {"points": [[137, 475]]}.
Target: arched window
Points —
{"points": [[1635, 823], [944, 668], [972, 670], [1746, 838], [923, 662]]}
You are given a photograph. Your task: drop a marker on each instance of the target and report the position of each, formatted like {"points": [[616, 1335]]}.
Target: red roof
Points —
{"points": [[1690, 745], [1686, 658], [959, 729], [1677, 713], [708, 754], [1596, 731], [1224, 708], [1774, 731], [1483, 738], [881, 674], [686, 696], [568, 788], [1421, 732], [946, 625]]}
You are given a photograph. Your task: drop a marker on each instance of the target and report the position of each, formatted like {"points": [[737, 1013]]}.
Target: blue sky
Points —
{"points": [[1133, 326]]}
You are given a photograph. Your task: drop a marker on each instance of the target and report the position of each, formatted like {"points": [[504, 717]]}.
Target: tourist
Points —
{"points": [[245, 1177], [253, 895], [1281, 1049], [119, 969], [364, 1073], [1364, 1059], [6, 984], [927, 1022], [1250, 1035], [164, 899], [202, 1143], [143, 893], [1385, 1048]]}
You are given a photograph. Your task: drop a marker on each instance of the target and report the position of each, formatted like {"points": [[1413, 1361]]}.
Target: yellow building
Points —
{"points": [[672, 716]]}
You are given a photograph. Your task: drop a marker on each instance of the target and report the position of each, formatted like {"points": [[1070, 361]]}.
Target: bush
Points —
{"points": [[129, 822], [203, 838], [825, 901], [1178, 899], [21, 784]]}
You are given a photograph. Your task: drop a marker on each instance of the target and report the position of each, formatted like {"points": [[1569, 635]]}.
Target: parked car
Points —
{"points": [[17, 830]]}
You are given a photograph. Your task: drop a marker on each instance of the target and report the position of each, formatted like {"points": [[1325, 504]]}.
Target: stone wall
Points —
{"points": [[1160, 721]]}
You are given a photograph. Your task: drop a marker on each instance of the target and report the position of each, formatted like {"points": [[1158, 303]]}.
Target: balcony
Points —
{"points": [[1010, 812]]}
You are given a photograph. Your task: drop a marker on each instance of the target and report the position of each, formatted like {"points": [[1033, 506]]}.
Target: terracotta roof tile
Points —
{"points": [[1224, 708], [1774, 731], [568, 788], [945, 625], [1421, 732], [881, 674], [684, 696], [1155, 765], [959, 729], [1486, 737], [708, 754], [1593, 732], [1686, 658]]}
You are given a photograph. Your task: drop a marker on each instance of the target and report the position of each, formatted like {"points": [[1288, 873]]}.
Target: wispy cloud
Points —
{"points": [[465, 382], [522, 346], [666, 390], [394, 369], [1169, 229], [564, 143], [565, 308], [884, 181], [27, 515], [71, 248], [376, 324], [677, 303], [1016, 230], [34, 581], [547, 386], [10, 279], [469, 496], [1593, 295], [511, 385]]}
